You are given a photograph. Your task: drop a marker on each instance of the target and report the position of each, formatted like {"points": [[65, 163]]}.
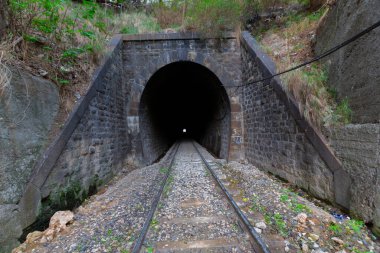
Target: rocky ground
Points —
{"points": [[299, 222], [192, 209], [109, 221]]}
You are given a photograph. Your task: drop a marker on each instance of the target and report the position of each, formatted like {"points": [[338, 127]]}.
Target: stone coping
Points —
{"points": [[174, 36]]}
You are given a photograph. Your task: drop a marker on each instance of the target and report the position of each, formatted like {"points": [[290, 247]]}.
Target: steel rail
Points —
{"points": [[260, 246], [144, 231]]}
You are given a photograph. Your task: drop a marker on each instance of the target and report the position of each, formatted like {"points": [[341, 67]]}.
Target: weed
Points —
{"points": [[280, 224], [267, 219], [335, 228], [129, 30], [235, 227], [71, 32], [164, 170], [284, 198], [154, 224], [298, 208], [356, 250], [171, 14], [333, 92], [344, 112], [150, 249], [256, 205], [355, 225], [212, 17]]}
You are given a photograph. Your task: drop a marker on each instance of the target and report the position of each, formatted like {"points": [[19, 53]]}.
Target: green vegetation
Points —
{"points": [[291, 199], [168, 186], [308, 85], [343, 112], [256, 205], [335, 228], [209, 17], [280, 224], [164, 170], [214, 16], [355, 225], [154, 224], [70, 36]]}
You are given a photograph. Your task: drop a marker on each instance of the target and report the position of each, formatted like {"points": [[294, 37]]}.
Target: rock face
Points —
{"points": [[27, 110], [354, 73], [354, 70], [358, 147]]}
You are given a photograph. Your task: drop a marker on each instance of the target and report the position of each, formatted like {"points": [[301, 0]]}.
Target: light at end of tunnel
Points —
{"points": [[184, 130]]}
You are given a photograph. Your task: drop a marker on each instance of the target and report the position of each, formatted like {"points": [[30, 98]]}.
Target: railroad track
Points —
{"points": [[194, 212]]}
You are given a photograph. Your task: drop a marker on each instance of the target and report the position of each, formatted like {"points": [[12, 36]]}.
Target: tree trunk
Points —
{"points": [[4, 18]]}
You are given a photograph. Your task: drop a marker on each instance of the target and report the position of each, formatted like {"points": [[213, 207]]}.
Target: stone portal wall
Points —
{"points": [[97, 148], [277, 137], [280, 140], [143, 55], [91, 148], [104, 130]]}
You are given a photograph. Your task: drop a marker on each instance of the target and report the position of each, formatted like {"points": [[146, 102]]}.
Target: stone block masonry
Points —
{"points": [[89, 151], [105, 129], [143, 55], [259, 122], [280, 140]]}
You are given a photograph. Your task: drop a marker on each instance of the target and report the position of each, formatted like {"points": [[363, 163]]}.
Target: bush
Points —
{"points": [[213, 17], [71, 34], [170, 14]]}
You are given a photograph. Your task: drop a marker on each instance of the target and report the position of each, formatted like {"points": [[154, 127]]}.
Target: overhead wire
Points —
{"points": [[317, 58]]}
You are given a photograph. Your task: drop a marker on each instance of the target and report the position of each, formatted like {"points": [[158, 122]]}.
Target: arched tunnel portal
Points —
{"points": [[184, 100]]}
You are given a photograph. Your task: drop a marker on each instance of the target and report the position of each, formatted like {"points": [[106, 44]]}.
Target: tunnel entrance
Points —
{"points": [[184, 100]]}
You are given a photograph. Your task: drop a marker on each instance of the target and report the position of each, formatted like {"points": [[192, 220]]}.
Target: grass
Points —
{"points": [[66, 40], [209, 17], [280, 224], [213, 17], [355, 225], [335, 228], [288, 41], [290, 198]]}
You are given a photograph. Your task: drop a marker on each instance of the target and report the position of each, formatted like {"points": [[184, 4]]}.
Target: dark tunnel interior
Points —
{"points": [[184, 96]]}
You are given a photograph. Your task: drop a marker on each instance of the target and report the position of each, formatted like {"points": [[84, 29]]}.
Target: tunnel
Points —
{"points": [[184, 100]]}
